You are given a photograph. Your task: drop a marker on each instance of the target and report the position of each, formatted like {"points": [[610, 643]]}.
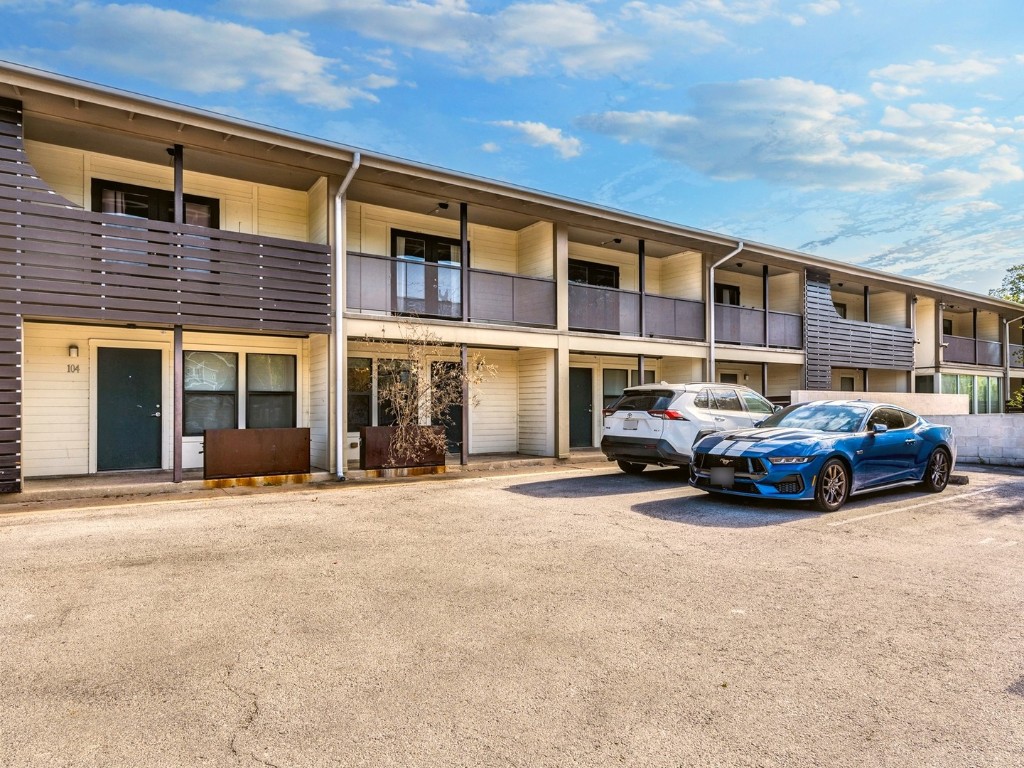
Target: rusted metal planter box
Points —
{"points": [[375, 450], [255, 452]]}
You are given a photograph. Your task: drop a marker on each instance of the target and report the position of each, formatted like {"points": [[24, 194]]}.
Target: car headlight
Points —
{"points": [[789, 459]]}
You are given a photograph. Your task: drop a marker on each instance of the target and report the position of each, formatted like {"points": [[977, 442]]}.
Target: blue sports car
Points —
{"points": [[826, 451]]}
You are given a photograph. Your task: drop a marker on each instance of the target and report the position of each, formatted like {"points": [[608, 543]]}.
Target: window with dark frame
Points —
{"points": [[360, 392], [210, 398], [593, 273], [727, 294], [840, 309], [270, 391], [947, 326], [428, 274], [151, 203]]}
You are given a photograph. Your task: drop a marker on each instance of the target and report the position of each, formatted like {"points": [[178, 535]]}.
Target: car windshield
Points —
{"points": [[826, 417]]}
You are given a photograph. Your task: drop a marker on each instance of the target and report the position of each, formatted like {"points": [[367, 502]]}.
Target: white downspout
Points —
{"points": [[1006, 356], [711, 309], [340, 243]]}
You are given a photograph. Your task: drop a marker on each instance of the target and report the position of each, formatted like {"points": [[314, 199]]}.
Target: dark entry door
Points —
{"points": [[443, 374], [128, 408], [581, 408]]}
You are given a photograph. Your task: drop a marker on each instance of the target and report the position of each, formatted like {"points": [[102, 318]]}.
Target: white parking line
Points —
{"points": [[936, 500]]}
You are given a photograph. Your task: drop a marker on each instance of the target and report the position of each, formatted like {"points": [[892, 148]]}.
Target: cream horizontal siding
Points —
{"points": [[536, 402], [888, 381], [679, 370], [536, 250], [682, 276], [924, 353], [786, 293], [783, 379], [494, 426], [354, 227], [318, 206], [493, 249], [989, 327], [888, 308], [63, 169], [319, 401], [282, 213]]}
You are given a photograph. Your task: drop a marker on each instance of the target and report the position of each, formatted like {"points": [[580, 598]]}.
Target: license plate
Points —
{"points": [[630, 423], [723, 476]]}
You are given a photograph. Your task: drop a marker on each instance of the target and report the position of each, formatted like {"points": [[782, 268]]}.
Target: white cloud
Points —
{"points": [[923, 70], [823, 7], [540, 135], [785, 130], [515, 40], [206, 56], [490, 147], [888, 92], [971, 208]]}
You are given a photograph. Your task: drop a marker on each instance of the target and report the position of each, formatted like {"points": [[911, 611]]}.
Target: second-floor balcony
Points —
{"points": [[380, 284], [970, 351], [402, 286], [757, 327]]}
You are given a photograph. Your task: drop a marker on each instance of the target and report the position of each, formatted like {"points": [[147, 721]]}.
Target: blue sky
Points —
{"points": [[885, 134]]}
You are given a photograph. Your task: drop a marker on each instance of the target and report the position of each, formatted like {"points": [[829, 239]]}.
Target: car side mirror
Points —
{"points": [[776, 409], [878, 428]]}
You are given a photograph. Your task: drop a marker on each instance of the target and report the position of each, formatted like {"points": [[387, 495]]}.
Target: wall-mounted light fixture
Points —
{"points": [[615, 240], [440, 207], [72, 350], [739, 265]]}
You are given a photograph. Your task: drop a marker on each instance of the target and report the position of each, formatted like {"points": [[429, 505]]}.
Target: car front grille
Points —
{"points": [[742, 464]]}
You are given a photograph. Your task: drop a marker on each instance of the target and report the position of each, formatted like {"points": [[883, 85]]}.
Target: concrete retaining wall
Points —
{"points": [[996, 438]]}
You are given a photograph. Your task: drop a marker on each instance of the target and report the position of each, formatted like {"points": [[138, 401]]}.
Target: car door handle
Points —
{"points": [[155, 415], [911, 441], [719, 418]]}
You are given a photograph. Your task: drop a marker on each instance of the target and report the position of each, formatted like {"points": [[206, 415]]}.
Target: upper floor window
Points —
{"points": [[592, 273], [727, 294], [428, 275], [150, 203], [947, 326], [840, 309]]}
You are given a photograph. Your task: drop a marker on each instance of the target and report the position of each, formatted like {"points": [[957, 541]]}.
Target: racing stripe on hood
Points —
{"points": [[757, 442]]}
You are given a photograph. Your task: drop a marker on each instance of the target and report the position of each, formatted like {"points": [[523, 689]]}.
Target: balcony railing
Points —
{"points": [[745, 325], [503, 298], [604, 310], [405, 287], [71, 263], [671, 318], [963, 349]]}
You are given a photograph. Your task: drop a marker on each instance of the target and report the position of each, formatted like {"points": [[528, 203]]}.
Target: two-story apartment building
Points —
{"points": [[167, 271]]}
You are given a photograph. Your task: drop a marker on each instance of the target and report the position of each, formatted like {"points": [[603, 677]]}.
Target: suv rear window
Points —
{"points": [[654, 400]]}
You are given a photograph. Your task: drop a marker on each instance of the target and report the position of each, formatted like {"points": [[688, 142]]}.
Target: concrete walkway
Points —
{"points": [[107, 485]]}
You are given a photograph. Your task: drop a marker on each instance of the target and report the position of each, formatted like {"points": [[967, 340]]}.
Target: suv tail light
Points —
{"points": [[607, 411], [668, 415]]}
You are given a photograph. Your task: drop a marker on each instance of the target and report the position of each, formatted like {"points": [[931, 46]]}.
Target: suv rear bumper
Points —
{"points": [[641, 451]]}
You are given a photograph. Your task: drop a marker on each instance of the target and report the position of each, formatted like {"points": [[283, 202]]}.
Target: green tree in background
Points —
{"points": [[1012, 288]]}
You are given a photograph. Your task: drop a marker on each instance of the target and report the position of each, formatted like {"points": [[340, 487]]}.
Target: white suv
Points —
{"points": [[659, 423]]}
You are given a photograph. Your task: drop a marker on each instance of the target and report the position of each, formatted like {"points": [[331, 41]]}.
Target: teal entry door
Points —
{"points": [[128, 408], [581, 408]]}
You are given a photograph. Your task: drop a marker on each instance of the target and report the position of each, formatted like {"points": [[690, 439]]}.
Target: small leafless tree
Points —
{"points": [[420, 386]]}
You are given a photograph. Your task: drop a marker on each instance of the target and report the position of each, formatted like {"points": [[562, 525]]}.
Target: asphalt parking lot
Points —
{"points": [[553, 617]]}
